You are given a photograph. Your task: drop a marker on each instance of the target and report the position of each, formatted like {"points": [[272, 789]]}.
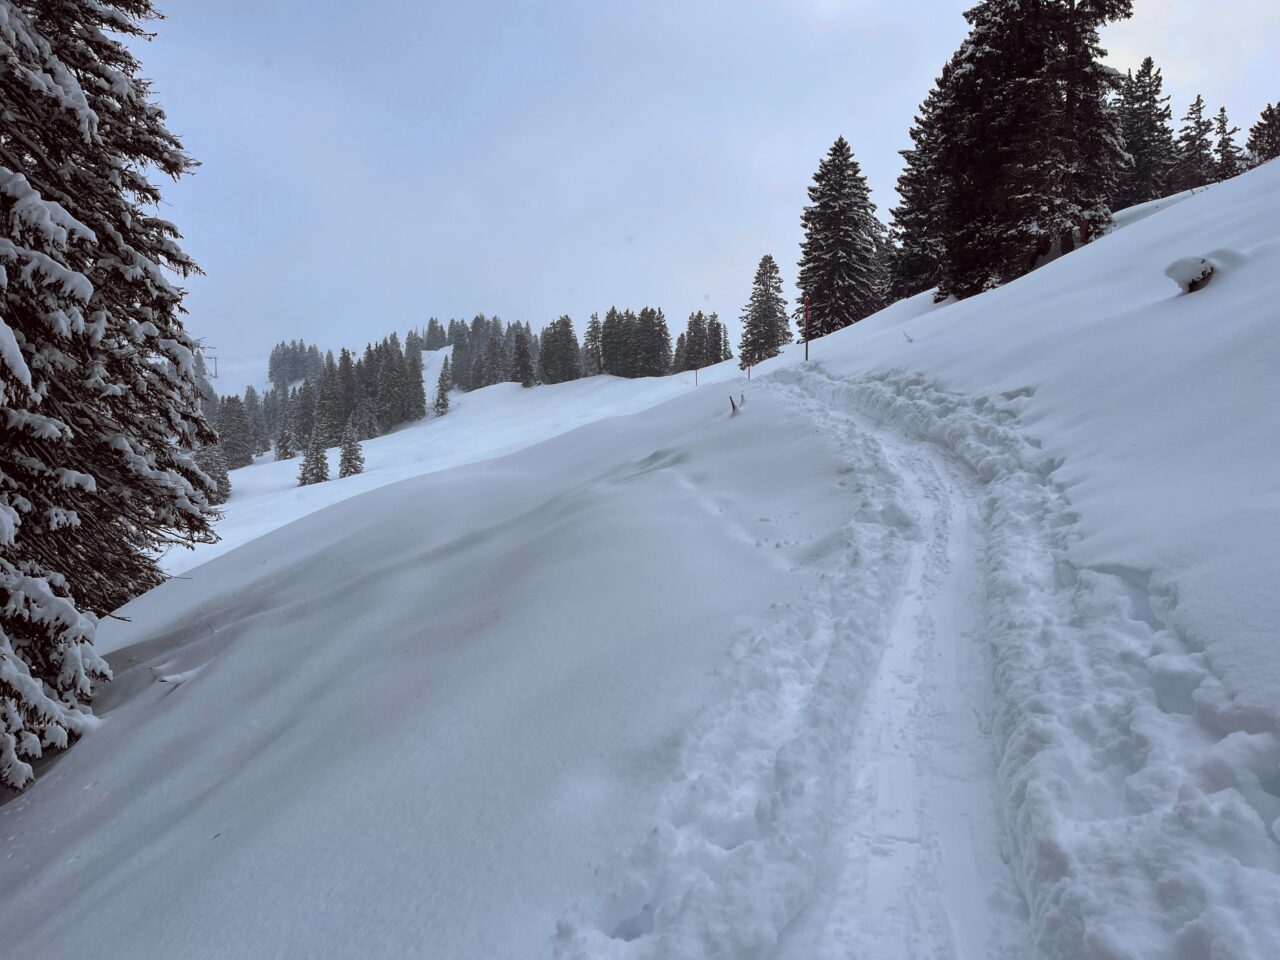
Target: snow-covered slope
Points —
{"points": [[958, 641]]}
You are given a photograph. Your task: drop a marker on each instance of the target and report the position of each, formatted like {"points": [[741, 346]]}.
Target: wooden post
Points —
{"points": [[806, 328]]}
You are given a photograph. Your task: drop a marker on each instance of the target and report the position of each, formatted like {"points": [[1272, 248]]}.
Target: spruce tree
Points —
{"points": [[234, 434], [495, 362], [1194, 167], [764, 318], [916, 258], [351, 457], [443, 386], [1228, 161], [365, 419], [253, 411], [303, 408], [1029, 140], [840, 272], [652, 344], [592, 353], [97, 439], [1145, 118], [315, 463], [415, 389], [286, 445], [1264, 136], [560, 357], [522, 363], [348, 386], [209, 458]]}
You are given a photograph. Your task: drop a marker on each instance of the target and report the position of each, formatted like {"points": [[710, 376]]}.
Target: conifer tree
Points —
{"points": [[97, 439], [840, 272], [495, 362], [286, 445], [915, 261], [1030, 141], [253, 412], [365, 419], [651, 345], [522, 363], [328, 417], [436, 337], [1228, 161], [209, 458], [561, 356], [415, 389], [443, 386], [1145, 118], [351, 457], [1194, 167], [592, 353], [680, 357], [303, 409], [1264, 136], [315, 463], [234, 434], [764, 318], [348, 387], [208, 396]]}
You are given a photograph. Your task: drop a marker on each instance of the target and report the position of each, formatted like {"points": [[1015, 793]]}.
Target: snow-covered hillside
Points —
{"points": [[958, 641]]}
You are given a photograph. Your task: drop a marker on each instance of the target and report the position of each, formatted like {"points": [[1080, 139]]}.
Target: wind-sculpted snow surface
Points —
{"points": [[1140, 812]]}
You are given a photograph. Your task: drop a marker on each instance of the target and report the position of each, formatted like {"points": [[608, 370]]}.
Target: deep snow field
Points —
{"points": [[960, 641]]}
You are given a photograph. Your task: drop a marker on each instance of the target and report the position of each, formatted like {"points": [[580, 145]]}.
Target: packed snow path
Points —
{"points": [[878, 784], [912, 866], [842, 802]]}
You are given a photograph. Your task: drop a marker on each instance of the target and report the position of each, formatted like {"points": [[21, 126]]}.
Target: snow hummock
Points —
{"points": [[957, 641]]}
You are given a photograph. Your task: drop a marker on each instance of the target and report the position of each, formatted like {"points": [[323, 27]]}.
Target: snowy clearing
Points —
{"points": [[957, 646]]}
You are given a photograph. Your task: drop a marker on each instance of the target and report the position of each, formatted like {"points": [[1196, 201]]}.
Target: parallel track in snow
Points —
{"points": [[840, 802], [912, 867]]}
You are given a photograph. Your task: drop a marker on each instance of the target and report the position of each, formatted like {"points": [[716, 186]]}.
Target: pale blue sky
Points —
{"points": [[366, 166]]}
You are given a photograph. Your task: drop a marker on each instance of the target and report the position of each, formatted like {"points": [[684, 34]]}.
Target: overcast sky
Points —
{"points": [[367, 166]]}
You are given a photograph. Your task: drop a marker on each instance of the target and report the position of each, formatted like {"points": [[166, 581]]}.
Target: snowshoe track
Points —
{"points": [[1118, 775]]}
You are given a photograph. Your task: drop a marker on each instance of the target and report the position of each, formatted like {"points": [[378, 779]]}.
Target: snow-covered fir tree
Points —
{"points": [[96, 449], [435, 337], [253, 411], [234, 433], [1194, 166], [415, 389], [841, 273], [764, 318], [1228, 159], [350, 456], [592, 355], [652, 344], [561, 356], [1031, 144], [615, 343], [443, 386], [522, 360], [315, 463], [303, 407], [916, 236], [1145, 119], [210, 459], [1264, 136], [286, 444]]}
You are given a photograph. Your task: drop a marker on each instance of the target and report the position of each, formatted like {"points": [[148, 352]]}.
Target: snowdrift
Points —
{"points": [[960, 642]]}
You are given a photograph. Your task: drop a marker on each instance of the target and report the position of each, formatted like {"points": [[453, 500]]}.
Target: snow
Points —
{"points": [[961, 645]]}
